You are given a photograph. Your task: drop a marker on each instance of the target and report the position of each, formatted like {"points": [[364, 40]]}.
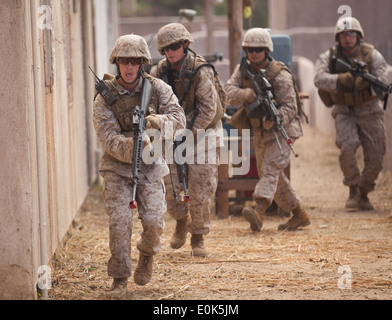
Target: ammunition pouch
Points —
{"points": [[345, 95], [325, 98], [240, 119], [347, 98]]}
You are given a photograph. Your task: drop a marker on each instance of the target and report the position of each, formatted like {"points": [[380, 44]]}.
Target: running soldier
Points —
{"points": [[271, 161], [195, 88], [358, 115], [113, 124]]}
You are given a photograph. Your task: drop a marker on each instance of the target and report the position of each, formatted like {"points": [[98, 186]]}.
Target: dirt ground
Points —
{"points": [[341, 255]]}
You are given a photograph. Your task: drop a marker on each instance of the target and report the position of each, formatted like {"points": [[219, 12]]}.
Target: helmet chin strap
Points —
{"points": [[179, 62]]}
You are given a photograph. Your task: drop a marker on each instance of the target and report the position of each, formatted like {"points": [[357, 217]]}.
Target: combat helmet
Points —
{"points": [[131, 46], [172, 33], [258, 37], [348, 24]]}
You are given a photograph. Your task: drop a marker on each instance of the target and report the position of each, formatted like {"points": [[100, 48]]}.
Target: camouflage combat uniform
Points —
{"points": [[273, 183], [115, 169], [202, 177], [359, 119], [271, 161], [362, 124]]}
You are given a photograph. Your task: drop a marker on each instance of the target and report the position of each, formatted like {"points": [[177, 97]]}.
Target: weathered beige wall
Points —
{"points": [[319, 115], [18, 219], [48, 145], [388, 128]]}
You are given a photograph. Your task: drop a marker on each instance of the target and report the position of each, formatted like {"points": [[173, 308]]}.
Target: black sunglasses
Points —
{"points": [[257, 50], [173, 47]]}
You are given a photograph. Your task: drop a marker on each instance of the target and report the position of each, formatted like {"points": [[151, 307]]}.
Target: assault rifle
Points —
{"points": [[182, 173], [265, 104], [181, 169], [358, 70], [139, 127]]}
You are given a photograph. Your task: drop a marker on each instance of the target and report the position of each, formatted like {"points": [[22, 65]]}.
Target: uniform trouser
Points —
{"points": [[368, 132], [151, 208], [273, 183], [202, 184]]}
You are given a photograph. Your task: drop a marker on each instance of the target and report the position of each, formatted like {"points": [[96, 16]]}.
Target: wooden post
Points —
{"points": [[222, 196], [235, 14], [209, 17]]}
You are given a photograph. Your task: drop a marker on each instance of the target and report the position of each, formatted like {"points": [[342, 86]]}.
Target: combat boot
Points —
{"points": [[197, 244], [364, 202], [353, 198], [179, 236], [143, 270], [256, 216], [118, 289], [299, 219]]}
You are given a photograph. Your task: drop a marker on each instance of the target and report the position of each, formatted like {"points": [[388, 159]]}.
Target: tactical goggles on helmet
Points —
{"points": [[257, 50], [173, 47], [127, 61]]}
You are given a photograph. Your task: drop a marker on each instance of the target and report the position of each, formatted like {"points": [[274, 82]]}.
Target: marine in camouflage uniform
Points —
{"points": [[113, 125], [359, 119], [193, 216], [273, 183]]}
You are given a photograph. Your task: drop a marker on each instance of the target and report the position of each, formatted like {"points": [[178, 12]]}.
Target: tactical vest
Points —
{"points": [[345, 95], [126, 103], [124, 107], [185, 88], [272, 71]]}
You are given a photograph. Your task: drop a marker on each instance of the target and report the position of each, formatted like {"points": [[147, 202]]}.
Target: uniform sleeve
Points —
{"points": [[323, 78], [379, 66], [233, 87], [285, 96], [206, 98], [109, 132]]}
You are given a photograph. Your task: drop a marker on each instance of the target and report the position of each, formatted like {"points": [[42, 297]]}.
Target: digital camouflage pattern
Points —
{"points": [[202, 184], [172, 33], [202, 177], [258, 38], [355, 126], [151, 209], [130, 46], [273, 183], [204, 94], [116, 172]]}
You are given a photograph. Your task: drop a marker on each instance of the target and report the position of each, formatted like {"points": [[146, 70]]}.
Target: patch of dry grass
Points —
{"points": [[248, 265]]}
